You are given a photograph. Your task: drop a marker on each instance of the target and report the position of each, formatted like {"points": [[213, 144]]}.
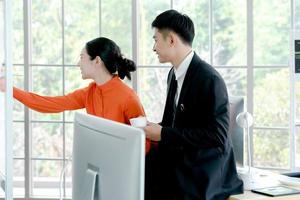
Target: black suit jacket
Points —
{"points": [[194, 159]]}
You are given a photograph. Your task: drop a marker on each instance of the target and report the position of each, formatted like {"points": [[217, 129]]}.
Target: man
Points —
{"points": [[193, 157]]}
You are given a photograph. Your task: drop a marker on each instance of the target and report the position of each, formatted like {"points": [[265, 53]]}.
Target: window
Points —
{"points": [[297, 90], [251, 53], [271, 27]]}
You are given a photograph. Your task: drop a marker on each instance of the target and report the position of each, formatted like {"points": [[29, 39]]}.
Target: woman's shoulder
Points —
{"points": [[126, 90], [91, 85]]}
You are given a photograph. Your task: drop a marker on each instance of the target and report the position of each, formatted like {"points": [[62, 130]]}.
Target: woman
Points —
{"points": [[107, 96]]}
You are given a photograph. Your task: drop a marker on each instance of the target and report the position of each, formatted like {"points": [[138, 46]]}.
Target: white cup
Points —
{"points": [[138, 122]]}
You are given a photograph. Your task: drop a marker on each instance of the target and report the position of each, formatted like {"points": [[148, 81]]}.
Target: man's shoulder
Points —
{"points": [[203, 69]]}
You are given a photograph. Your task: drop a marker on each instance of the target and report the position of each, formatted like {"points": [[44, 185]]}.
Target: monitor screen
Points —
{"points": [[108, 160], [235, 131]]}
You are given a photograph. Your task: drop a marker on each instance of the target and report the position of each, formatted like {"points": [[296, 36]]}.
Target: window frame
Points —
{"points": [[249, 67]]}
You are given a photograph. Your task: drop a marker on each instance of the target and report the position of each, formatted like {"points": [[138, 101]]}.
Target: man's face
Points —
{"points": [[161, 46]]}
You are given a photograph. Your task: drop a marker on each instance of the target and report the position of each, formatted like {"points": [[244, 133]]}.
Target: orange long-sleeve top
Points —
{"points": [[113, 100]]}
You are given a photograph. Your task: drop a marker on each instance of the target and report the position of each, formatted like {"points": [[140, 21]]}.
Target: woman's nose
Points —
{"points": [[153, 48]]}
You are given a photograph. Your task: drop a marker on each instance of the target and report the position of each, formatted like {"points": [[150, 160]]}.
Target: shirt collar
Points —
{"points": [[181, 70], [111, 84]]}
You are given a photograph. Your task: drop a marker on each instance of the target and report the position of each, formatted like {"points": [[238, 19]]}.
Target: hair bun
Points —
{"points": [[125, 66]]}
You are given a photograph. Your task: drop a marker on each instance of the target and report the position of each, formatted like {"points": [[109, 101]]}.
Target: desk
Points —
{"points": [[266, 179], [248, 195]]}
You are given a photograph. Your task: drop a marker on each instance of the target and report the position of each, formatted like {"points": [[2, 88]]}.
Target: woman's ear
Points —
{"points": [[98, 60]]}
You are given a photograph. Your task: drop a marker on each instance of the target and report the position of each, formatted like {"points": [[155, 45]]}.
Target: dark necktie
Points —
{"points": [[176, 95], [173, 98]]}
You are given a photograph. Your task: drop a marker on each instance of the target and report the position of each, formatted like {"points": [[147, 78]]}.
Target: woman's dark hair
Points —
{"points": [[110, 54], [177, 22]]}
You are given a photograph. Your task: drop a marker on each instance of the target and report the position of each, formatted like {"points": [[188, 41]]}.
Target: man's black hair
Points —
{"points": [[181, 24]]}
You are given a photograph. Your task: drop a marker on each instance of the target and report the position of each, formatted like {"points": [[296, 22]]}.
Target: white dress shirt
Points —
{"points": [[180, 73]]}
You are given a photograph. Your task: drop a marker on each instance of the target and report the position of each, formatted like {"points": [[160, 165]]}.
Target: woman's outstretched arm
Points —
{"points": [[46, 104]]}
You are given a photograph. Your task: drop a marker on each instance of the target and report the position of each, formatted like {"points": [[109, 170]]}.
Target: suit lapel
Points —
{"points": [[188, 79], [168, 112]]}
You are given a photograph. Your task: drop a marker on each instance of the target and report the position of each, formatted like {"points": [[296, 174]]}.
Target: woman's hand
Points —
{"points": [[2, 84], [153, 131]]}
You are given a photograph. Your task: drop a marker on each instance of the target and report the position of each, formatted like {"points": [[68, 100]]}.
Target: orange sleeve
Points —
{"points": [[72, 101], [135, 109]]}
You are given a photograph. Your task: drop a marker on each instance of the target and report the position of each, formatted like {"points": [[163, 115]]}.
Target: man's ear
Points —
{"points": [[172, 39]]}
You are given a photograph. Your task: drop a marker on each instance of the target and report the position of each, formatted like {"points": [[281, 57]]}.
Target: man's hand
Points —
{"points": [[153, 131]]}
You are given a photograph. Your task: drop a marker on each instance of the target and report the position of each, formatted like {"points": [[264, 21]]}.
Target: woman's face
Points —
{"points": [[87, 66]]}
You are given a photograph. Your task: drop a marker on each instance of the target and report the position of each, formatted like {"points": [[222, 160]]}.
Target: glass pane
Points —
{"points": [[69, 148], [148, 11], [46, 30], [297, 14], [198, 11], [297, 160], [69, 129], [2, 193], [2, 52], [271, 32], [19, 179], [73, 81], [229, 32], [18, 32], [271, 148], [152, 89], [47, 81], [46, 178], [236, 81], [2, 33], [18, 76], [18, 112], [297, 100], [2, 99], [69, 115], [47, 140], [18, 139], [81, 26], [68, 182], [116, 23], [271, 97], [18, 81]]}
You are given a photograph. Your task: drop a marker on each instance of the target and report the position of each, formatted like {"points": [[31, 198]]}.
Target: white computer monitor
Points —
{"points": [[108, 160]]}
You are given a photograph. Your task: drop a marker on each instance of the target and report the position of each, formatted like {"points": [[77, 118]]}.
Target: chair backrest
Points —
{"points": [[235, 131]]}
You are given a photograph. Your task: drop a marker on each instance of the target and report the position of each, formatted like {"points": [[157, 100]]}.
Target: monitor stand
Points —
{"points": [[90, 185]]}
